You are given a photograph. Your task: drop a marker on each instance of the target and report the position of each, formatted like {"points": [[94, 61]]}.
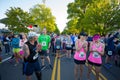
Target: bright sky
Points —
{"points": [[58, 8]]}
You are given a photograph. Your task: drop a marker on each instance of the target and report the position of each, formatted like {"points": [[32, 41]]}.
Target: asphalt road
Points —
{"points": [[63, 69]]}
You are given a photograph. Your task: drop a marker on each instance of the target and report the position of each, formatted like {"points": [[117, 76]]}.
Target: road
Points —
{"points": [[63, 69]]}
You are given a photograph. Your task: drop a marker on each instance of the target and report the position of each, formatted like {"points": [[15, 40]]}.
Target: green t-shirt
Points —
{"points": [[44, 40]]}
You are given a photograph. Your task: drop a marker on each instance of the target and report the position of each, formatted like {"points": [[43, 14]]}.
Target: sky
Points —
{"points": [[58, 9]]}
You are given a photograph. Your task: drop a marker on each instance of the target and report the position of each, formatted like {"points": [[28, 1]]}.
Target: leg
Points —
{"points": [[28, 78], [5, 48], [8, 48], [97, 71], [38, 75], [107, 59], [76, 71], [57, 54], [42, 60], [81, 71], [69, 53], [89, 71], [16, 58], [48, 59]]}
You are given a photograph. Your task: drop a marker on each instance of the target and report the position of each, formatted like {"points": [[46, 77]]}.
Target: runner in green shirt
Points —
{"points": [[44, 40]]}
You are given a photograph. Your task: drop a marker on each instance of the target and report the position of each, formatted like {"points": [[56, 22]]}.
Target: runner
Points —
{"points": [[58, 45], [0, 51], [73, 45], [63, 43], [69, 44], [80, 55], [118, 53], [16, 48], [110, 49], [6, 44], [95, 59], [23, 40], [52, 42], [31, 63], [44, 40]]}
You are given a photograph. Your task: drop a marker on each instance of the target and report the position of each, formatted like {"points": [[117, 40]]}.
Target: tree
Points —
{"points": [[102, 18], [17, 20], [93, 16], [56, 29], [43, 17], [76, 11]]}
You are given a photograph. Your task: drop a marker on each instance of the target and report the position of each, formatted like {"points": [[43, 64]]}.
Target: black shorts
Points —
{"points": [[43, 53], [29, 68], [68, 48], [79, 62], [0, 49], [94, 64]]}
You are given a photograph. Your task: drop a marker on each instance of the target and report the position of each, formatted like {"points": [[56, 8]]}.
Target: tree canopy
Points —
{"points": [[93, 16], [43, 17], [18, 20]]}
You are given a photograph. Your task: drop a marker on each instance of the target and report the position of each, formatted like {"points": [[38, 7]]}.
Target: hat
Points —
{"points": [[31, 35], [83, 34]]}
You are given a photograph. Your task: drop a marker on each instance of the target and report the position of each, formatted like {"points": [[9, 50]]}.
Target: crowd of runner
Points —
{"points": [[26, 48]]}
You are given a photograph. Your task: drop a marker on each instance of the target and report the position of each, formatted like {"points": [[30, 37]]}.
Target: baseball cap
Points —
{"points": [[31, 35]]}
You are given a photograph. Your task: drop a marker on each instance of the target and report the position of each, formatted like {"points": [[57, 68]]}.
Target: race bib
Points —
{"points": [[58, 47], [96, 55], [110, 53], [36, 56], [81, 55], [44, 43]]}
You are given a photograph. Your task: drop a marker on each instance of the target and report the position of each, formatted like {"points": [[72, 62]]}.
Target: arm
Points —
{"points": [[76, 46], [26, 51], [49, 43], [90, 48], [102, 52], [85, 46], [38, 39]]}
